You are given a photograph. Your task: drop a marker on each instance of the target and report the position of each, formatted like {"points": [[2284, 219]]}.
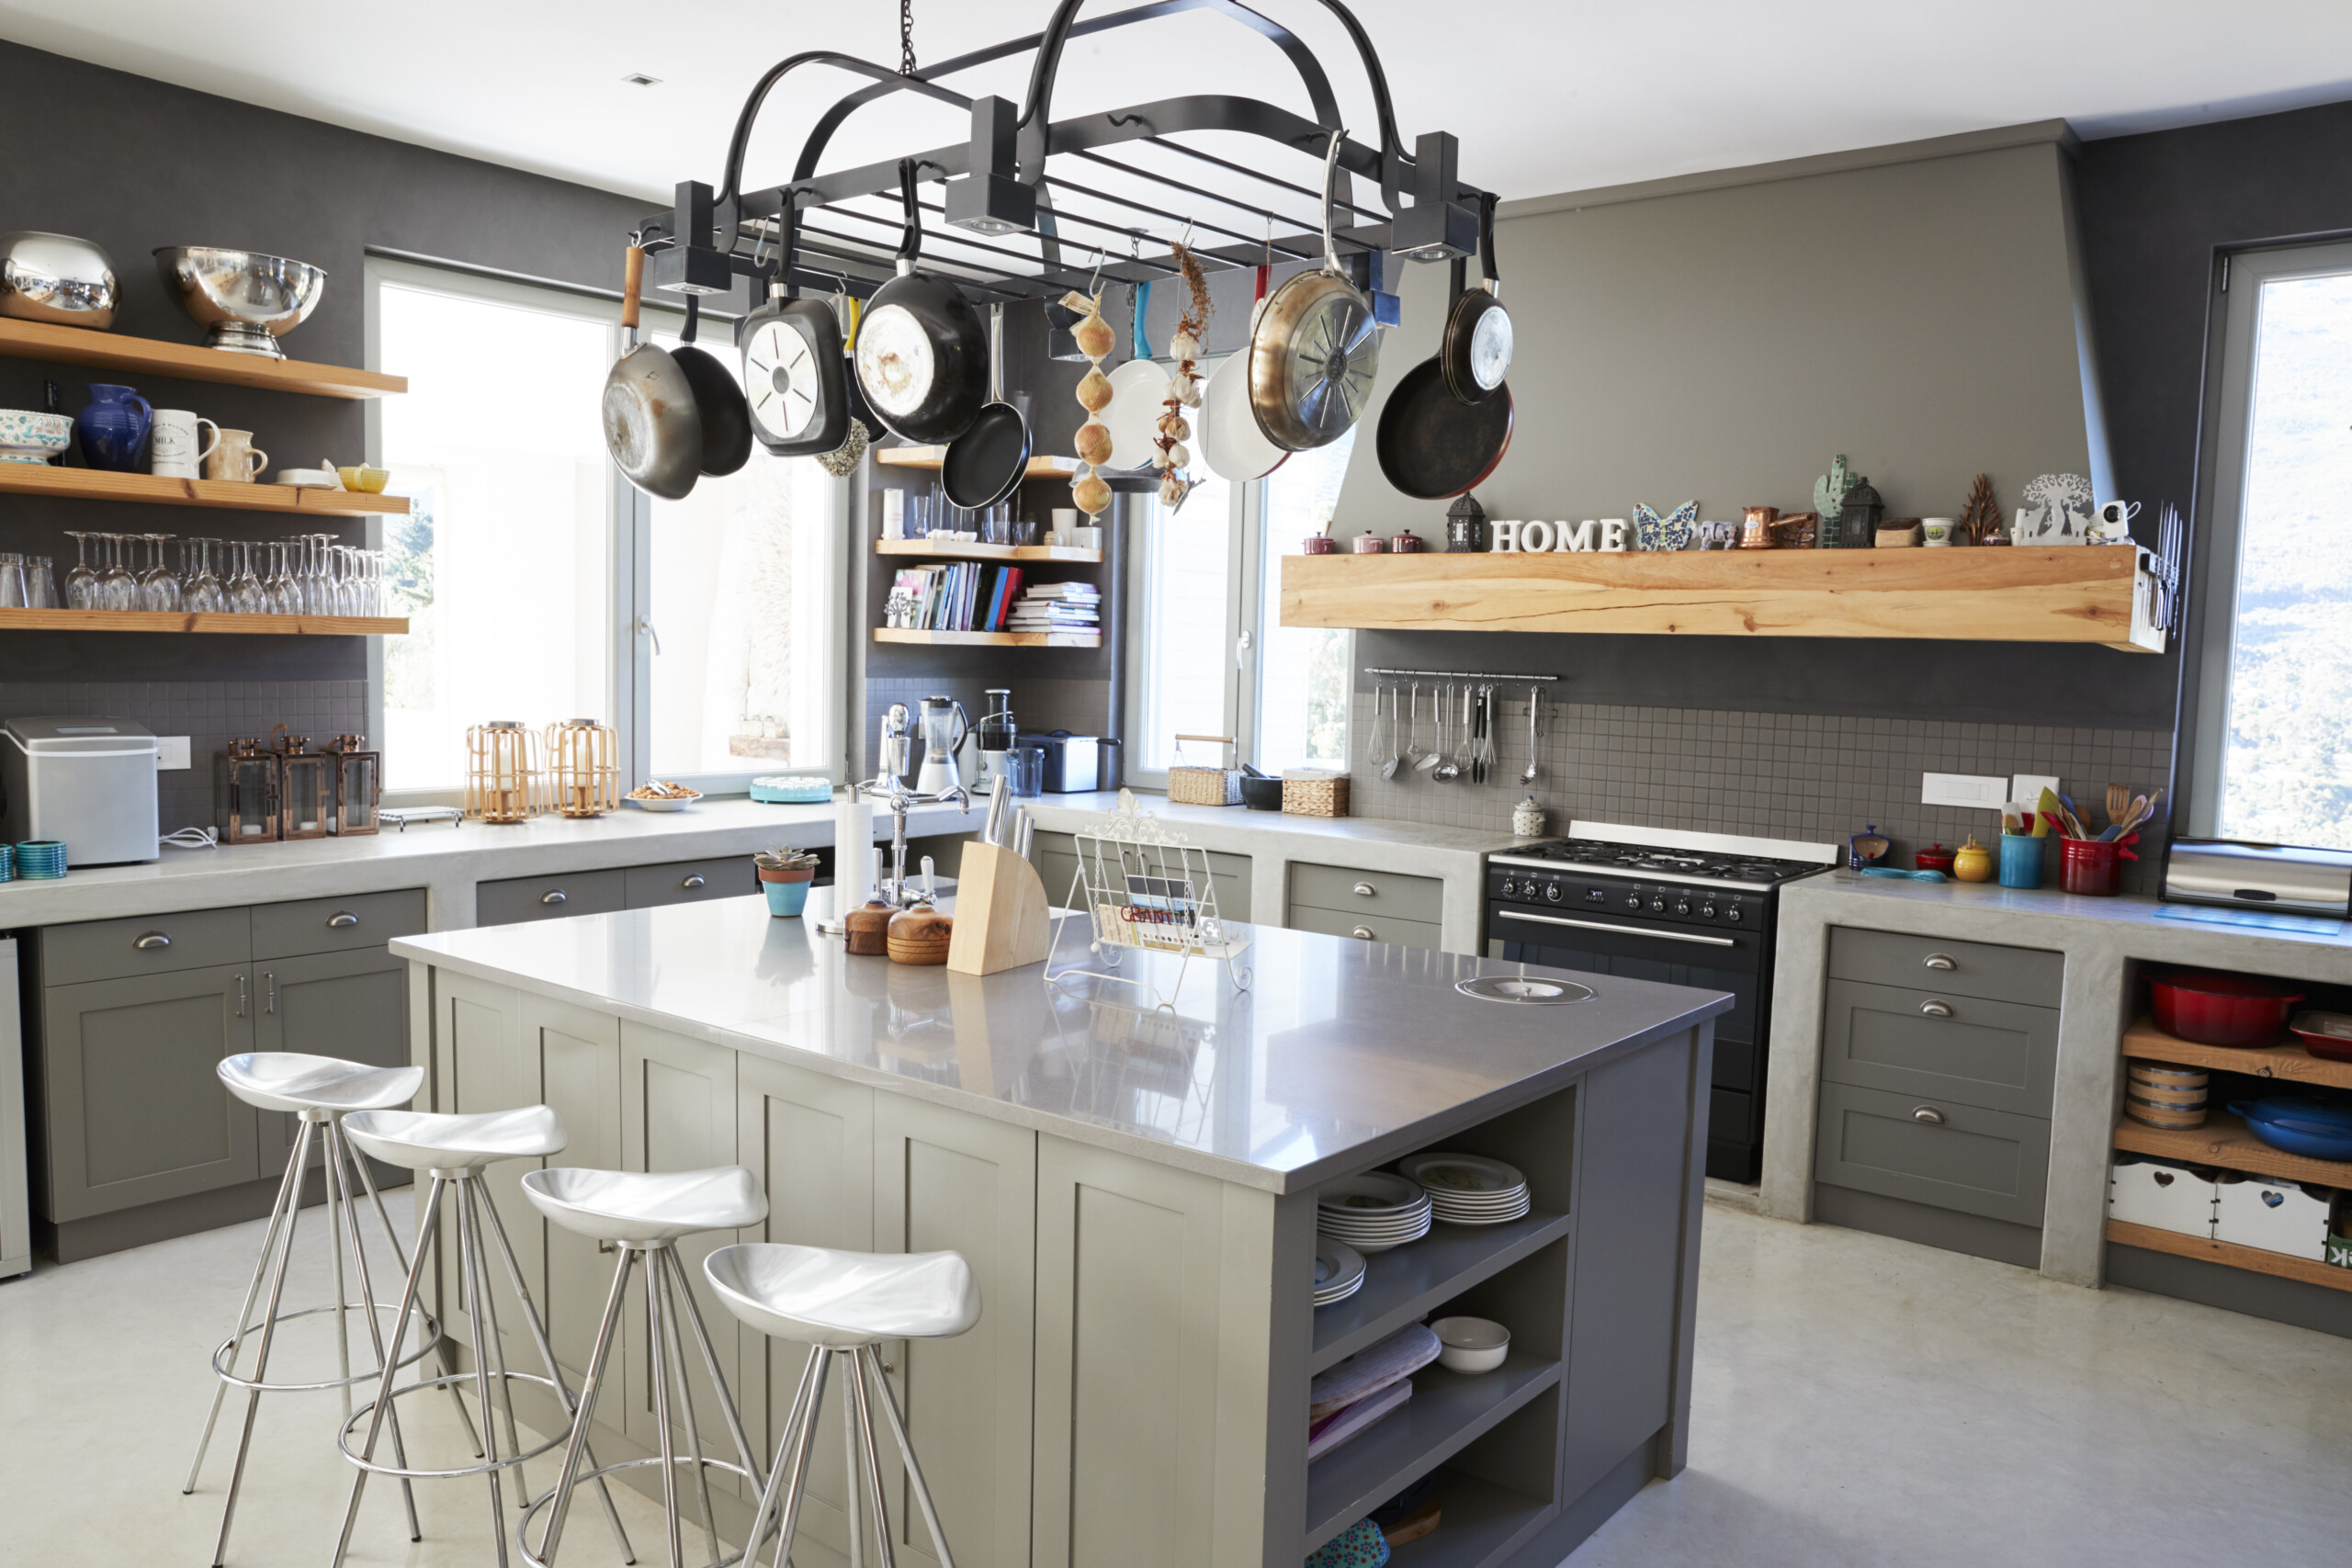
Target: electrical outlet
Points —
{"points": [[1985, 791], [2028, 787], [171, 751]]}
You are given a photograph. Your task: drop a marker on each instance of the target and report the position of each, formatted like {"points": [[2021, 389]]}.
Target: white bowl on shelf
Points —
{"points": [[675, 804], [1471, 1344]]}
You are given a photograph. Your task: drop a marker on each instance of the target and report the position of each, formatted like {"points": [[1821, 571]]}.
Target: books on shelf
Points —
{"points": [[1057, 606], [975, 596]]}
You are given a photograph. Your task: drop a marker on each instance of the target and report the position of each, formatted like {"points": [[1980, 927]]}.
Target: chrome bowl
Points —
{"points": [[56, 277], [247, 299]]}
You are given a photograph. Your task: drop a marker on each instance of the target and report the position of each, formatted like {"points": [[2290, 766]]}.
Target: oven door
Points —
{"points": [[1718, 959]]}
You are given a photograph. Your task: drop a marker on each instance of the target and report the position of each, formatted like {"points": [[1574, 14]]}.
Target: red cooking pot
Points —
{"points": [[2214, 1009]]}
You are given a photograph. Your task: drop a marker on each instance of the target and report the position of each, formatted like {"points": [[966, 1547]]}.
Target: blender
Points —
{"points": [[944, 726], [995, 732]]}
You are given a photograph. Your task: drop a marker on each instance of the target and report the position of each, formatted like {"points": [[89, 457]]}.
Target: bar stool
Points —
{"points": [[845, 1304], [645, 1216], [454, 1151], [321, 1090]]}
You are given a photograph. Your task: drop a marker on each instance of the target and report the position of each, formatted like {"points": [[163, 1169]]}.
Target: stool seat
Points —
{"points": [[646, 1209], [289, 1080], [843, 1300], [426, 1140]]}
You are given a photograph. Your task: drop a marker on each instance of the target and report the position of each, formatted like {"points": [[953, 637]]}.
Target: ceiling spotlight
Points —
{"points": [[640, 79]]}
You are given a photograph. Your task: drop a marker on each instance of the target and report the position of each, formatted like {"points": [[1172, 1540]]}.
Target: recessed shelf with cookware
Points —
{"points": [[2289, 1061], [2227, 1140]]}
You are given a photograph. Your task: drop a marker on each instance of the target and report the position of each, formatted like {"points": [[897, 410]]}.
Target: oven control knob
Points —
{"points": [[1708, 910], [1633, 900], [1682, 906], [1552, 891], [1510, 889], [1658, 906], [1732, 913]]}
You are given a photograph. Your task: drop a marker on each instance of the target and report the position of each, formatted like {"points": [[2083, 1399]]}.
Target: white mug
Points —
{"points": [[177, 452]]}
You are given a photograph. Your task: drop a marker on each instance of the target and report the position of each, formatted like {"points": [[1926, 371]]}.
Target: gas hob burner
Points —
{"points": [[1697, 866]]}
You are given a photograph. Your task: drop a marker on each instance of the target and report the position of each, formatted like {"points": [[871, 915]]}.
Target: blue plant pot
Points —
{"points": [[786, 899], [114, 429]]}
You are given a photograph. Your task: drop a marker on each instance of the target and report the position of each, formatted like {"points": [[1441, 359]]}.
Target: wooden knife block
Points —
{"points": [[1000, 918]]}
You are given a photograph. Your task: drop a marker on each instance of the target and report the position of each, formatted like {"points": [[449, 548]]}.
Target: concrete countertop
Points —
{"points": [[2104, 941], [1341, 1054]]}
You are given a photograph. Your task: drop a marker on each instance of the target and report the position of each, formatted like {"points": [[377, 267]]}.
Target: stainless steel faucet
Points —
{"points": [[896, 752]]}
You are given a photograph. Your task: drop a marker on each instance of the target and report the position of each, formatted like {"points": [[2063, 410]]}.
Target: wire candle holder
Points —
{"points": [[503, 783], [582, 770], [1142, 885]]}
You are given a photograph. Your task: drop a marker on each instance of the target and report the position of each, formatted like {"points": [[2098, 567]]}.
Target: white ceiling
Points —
{"points": [[1546, 94]]}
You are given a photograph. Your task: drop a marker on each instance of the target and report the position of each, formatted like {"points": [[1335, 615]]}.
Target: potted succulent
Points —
{"points": [[785, 876]]}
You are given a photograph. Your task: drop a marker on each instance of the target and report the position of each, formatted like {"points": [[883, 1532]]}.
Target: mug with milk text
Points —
{"points": [[175, 450], [235, 458]]}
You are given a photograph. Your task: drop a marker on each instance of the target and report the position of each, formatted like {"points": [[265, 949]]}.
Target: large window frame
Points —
{"points": [[632, 634]]}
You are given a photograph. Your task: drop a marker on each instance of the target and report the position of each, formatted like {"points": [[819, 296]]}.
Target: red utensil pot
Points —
{"points": [[2214, 1009], [2094, 867]]}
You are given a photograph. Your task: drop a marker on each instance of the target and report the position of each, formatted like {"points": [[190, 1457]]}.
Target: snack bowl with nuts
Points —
{"points": [[662, 795]]}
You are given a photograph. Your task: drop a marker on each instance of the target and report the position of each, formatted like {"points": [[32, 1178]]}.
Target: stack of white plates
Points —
{"points": [[1469, 1190], [1372, 1213], [1339, 1270]]}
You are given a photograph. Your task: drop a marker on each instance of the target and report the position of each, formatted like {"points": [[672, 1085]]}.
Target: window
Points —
{"points": [[2272, 756], [540, 586]]}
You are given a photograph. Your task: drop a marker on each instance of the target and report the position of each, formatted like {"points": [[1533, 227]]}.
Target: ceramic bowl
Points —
{"points": [[367, 481], [313, 478], [1471, 1344], [30, 437]]}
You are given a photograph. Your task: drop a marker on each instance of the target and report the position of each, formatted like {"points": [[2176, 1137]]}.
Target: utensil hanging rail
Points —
{"points": [[1453, 674]]}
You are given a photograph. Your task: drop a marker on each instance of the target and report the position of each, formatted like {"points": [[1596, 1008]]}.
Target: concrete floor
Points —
{"points": [[1860, 1401]]}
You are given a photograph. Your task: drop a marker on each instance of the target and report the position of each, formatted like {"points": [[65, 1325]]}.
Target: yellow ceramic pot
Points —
{"points": [[1973, 862]]}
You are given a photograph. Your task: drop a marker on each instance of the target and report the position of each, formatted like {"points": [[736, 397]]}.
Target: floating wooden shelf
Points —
{"points": [[209, 621], [1449, 1410], [188, 361], [2081, 593], [2289, 1063], [965, 549], [932, 457], [2261, 1260], [99, 484], [990, 639], [2225, 1140]]}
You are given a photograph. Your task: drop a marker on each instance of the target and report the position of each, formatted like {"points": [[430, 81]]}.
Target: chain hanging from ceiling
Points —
{"points": [[906, 38]]}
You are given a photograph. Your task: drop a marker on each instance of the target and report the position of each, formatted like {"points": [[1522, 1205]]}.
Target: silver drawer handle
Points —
{"points": [[1658, 932], [342, 921], [1366, 890], [1361, 933], [1939, 961], [552, 896], [1936, 1010], [151, 940], [1927, 1114], [694, 881]]}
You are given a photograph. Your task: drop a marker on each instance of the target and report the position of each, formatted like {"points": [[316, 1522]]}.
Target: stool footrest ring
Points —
{"points": [[377, 1467], [684, 1462], [385, 1311]]}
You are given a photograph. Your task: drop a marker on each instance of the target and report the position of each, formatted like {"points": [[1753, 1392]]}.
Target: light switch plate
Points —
{"points": [[1985, 792], [171, 751], [2028, 787]]}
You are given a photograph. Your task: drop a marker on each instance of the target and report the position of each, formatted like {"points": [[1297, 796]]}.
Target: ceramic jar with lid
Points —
{"points": [[1527, 819], [1973, 861]]}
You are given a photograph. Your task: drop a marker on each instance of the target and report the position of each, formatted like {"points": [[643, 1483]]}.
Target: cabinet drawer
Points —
{"points": [[522, 898], [336, 925], [1997, 1055], [1365, 928], [687, 881], [110, 949], [1966, 968], [1367, 892], [1977, 1161]]}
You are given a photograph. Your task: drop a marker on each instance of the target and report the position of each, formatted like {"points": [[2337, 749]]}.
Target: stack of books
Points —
{"points": [[967, 596], [1058, 607]]}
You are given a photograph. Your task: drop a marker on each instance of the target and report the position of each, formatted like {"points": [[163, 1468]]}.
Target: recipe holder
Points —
{"points": [[1000, 912]]}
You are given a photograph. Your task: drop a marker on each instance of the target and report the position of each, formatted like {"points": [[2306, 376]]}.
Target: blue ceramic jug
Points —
{"points": [[114, 429]]}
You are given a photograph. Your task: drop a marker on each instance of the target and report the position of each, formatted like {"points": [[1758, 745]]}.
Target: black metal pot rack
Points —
{"points": [[1025, 182]]}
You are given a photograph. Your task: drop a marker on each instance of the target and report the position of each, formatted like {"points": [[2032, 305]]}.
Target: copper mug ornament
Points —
{"points": [[1755, 528]]}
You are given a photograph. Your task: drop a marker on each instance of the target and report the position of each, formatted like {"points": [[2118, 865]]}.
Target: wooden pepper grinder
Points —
{"points": [[865, 929], [922, 934]]}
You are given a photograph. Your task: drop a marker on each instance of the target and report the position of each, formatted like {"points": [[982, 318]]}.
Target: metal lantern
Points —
{"points": [[583, 775], [358, 784], [503, 780], [305, 789], [1466, 526], [1858, 523], [244, 793]]}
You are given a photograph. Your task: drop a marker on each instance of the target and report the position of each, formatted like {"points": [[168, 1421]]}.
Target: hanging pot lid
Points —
{"points": [[921, 352], [1478, 339], [1315, 349]]}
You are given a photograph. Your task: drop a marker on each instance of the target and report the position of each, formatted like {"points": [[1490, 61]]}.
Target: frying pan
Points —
{"points": [[795, 382], [1432, 444], [725, 417], [1477, 349], [652, 422], [986, 463], [1232, 446], [1315, 349], [922, 355]]}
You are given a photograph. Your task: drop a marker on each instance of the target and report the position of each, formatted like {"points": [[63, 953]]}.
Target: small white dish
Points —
{"points": [[1471, 1344], [674, 805], [310, 479]]}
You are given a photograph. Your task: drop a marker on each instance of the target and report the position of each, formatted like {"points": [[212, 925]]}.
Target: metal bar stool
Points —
{"points": [[321, 1090], [645, 1217], [845, 1304], [454, 1151]]}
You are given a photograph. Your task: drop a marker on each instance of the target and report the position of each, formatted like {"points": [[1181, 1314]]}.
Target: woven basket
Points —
{"points": [[1195, 785], [1315, 794]]}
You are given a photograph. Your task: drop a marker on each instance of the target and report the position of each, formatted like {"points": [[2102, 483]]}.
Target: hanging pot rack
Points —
{"points": [[1024, 177]]}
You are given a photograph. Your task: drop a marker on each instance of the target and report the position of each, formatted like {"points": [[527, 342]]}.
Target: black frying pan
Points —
{"points": [[1432, 444], [922, 355], [725, 417], [1477, 349], [986, 463]]}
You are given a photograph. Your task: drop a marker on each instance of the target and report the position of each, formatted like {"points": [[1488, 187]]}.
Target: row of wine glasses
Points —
{"points": [[27, 582], [306, 574]]}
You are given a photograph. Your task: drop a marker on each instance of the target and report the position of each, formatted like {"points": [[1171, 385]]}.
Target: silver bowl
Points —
{"points": [[56, 277], [247, 299]]}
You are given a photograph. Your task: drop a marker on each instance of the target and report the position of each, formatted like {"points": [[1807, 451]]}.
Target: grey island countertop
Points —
{"points": [[1341, 1054]]}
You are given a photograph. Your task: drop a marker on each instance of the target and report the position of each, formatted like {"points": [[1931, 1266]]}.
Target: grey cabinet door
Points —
{"points": [[688, 881], [1937, 1152], [1999, 1055], [351, 1006], [1363, 927], [579, 1069], [136, 1111], [549, 898]]}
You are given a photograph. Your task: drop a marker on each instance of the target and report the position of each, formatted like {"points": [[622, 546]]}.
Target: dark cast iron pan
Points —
{"points": [[1432, 444], [986, 463], [913, 318], [725, 417]]}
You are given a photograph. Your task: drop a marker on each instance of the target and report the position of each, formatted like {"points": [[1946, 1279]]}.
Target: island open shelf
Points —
{"points": [[201, 621], [191, 362], [155, 489], [1401, 1285], [1447, 1413]]}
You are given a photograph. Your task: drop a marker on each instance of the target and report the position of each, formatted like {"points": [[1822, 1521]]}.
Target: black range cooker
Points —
{"points": [[1690, 915]]}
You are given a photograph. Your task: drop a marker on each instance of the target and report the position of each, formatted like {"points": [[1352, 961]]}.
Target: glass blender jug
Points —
{"points": [[944, 726], [995, 735]]}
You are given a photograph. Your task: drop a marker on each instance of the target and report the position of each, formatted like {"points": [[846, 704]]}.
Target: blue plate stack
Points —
{"points": [[42, 860], [8, 862]]}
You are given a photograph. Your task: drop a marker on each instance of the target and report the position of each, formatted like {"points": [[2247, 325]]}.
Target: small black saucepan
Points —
{"points": [[725, 417], [1432, 444], [987, 463], [922, 354]]}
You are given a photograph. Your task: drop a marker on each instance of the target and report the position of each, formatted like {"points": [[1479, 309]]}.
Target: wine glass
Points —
{"points": [[273, 578], [81, 583], [12, 582], [318, 596], [40, 583], [202, 590], [117, 589], [158, 589]]}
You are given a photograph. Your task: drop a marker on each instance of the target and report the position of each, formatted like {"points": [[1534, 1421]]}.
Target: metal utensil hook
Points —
{"points": [[1094, 284]]}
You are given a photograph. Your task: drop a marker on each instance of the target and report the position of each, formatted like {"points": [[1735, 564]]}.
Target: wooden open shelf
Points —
{"points": [[990, 639], [2289, 1063], [932, 457], [2042, 594], [1449, 1410], [2261, 1260], [188, 361], [1402, 1284], [191, 621], [2226, 1141], [967, 550], [100, 484]]}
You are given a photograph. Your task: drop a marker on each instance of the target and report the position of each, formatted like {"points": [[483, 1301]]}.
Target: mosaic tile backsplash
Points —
{"points": [[210, 713], [1775, 775]]}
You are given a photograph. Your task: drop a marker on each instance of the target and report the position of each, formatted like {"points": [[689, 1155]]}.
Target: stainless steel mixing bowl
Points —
{"points": [[247, 299], [56, 277]]}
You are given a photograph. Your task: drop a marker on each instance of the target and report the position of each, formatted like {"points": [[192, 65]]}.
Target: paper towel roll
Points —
{"points": [[853, 832]]}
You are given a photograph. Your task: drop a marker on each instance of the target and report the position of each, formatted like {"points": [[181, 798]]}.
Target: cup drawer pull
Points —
{"points": [[152, 941], [1936, 1010], [552, 896], [1366, 890], [1939, 961], [1927, 1114], [691, 881], [342, 921], [1361, 933]]}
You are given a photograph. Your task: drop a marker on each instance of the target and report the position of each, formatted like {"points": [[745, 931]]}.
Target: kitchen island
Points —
{"points": [[1135, 1187]]}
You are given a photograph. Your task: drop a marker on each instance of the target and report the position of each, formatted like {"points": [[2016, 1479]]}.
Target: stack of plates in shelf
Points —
{"points": [[1339, 1270], [42, 860], [1374, 1211], [1469, 1190]]}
